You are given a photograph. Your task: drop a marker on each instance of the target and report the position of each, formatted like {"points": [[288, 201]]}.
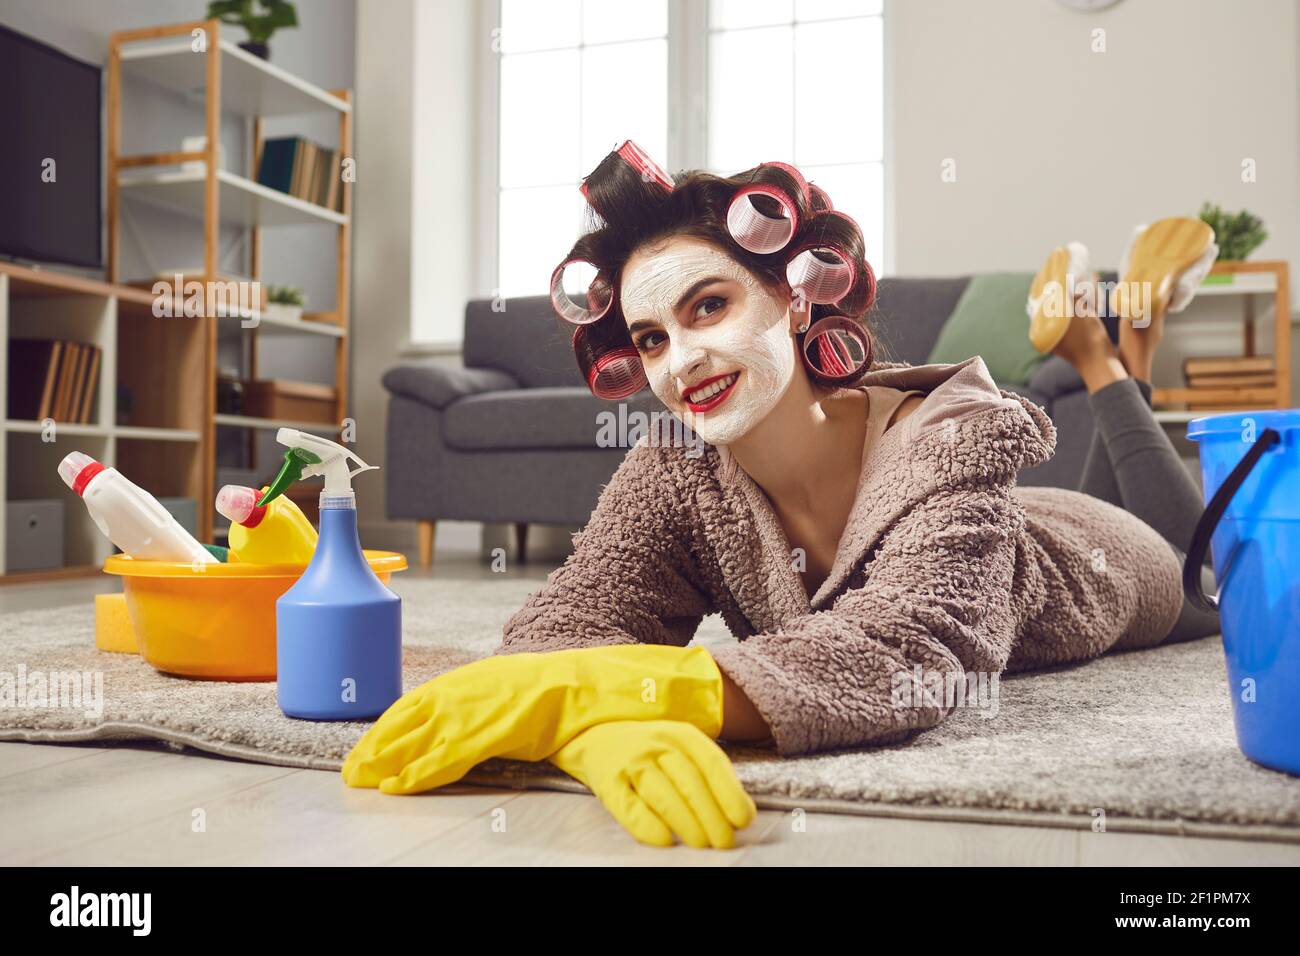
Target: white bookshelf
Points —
{"points": [[1243, 283], [250, 86], [241, 201], [272, 424], [198, 62]]}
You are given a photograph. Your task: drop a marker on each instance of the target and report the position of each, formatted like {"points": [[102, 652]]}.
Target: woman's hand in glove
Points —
{"points": [[659, 778], [526, 707]]}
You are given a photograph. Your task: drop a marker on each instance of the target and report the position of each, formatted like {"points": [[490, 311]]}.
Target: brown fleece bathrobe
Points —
{"points": [[944, 563]]}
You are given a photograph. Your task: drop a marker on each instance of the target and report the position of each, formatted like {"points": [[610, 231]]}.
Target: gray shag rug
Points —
{"points": [[1142, 740]]}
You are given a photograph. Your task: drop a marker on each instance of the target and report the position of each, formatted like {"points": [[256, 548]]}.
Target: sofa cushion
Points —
{"points": [[523, 337], [438, 385], [552, 417], [910, 313], [990, 321]]}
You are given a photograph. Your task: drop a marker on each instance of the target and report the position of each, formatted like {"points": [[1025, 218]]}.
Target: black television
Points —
{"points": [[49, 154]]}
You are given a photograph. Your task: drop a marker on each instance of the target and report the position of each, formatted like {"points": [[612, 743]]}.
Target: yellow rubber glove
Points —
{"points": [[526, 707], [659, 778]]}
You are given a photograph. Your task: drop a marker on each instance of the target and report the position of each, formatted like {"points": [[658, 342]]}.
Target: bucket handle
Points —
{"points": [[1210, 520]]}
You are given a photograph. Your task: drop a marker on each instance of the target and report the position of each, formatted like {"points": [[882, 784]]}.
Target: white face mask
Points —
{"points": [[732, 326]]}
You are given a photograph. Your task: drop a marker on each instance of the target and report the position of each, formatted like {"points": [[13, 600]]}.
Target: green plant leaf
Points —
{"points": [[259, 18], [1237, 234]]}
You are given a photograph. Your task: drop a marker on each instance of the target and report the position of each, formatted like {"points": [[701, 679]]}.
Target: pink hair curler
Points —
{"points": [[756, 231], [819, 199], [615, 373], [593, 287], [842, 348], [798, 177], [821, 273], [639, 159]]}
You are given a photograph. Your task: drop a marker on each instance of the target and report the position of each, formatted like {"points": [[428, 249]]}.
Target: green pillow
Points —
{"points": [[990, 321]]}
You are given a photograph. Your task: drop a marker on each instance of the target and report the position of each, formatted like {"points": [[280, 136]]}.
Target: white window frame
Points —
{"points": [[688, 70]]}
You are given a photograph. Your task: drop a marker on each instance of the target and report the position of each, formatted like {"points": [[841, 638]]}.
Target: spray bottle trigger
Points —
{"points": [[296, 461]]}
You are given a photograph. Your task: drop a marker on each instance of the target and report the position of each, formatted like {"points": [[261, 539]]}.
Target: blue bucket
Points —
{"points": [[1251, 465]]}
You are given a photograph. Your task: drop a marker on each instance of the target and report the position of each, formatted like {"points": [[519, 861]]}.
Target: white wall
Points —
{"points": [[1055, 142], [445, 167], [381, 270], [414, 221]]}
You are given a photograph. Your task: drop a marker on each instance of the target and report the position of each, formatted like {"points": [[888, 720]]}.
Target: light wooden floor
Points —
{"points": [[146, 804]]}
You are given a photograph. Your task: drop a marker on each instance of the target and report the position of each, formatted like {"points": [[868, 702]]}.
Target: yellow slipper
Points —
{"points": [[1162, 268], [1053, 294]]}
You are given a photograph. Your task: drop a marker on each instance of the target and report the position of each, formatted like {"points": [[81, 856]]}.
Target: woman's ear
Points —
{"points": [[800, 313]]}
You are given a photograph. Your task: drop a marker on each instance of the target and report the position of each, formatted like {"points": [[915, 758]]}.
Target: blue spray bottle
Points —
{"points": [[338, 630]]}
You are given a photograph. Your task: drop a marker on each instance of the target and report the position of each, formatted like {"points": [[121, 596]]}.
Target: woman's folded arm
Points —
{"points": [[935, 607], [629, 579]]}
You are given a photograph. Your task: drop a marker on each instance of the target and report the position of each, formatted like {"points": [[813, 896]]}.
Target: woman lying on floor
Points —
{"points": [[856, 524]]}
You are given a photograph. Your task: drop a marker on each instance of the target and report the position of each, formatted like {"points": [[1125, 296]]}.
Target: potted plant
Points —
{"points": [[1238, 235], [284, 303], [259, 18]]}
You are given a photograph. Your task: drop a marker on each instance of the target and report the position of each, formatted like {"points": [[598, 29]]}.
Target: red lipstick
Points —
{"points": [[713, 401]]}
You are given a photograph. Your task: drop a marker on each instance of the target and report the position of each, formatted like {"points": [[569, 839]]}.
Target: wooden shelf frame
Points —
{"points": [[40, 303], [1279, 394], [213, 196]]}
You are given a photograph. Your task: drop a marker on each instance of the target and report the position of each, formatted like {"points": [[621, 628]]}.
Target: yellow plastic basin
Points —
{"points": [[214, 621]]}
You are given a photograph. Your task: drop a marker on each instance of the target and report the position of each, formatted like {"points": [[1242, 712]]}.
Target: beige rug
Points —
{"points": [[1144, 739]]}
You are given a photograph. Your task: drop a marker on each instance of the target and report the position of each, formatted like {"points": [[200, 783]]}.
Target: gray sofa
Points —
{"points": [[512, 436]]}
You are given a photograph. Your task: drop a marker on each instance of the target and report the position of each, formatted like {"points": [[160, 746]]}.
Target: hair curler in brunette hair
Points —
{"points": [[804, 188], [837, 349], [585, 297], [828, 267], [608, 359], [820, 273], [626, 181], [818, 199], [765, 214], [762, 218]]}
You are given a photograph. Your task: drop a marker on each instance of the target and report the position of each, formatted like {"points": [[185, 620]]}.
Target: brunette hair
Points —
{"points": [[627, 208]]}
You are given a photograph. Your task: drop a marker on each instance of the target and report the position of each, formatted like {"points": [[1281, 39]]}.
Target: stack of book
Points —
{"points": [[50, 378], [302, 169], [1221, 379]]}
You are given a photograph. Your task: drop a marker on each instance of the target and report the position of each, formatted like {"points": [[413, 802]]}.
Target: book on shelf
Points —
{"points": [[303, 169], [1227, 365], [1242, 380], [73, 399], [92, 379], [1220, 383], [52, 378], [63, 390]]}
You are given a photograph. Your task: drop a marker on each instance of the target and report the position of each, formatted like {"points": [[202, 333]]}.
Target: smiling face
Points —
{"points": [[715, 343]]}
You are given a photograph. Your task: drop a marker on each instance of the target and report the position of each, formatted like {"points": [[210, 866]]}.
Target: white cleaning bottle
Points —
{"points": [[128, 515]]}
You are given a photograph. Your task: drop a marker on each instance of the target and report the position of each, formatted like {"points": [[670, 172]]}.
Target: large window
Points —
{"points": [[802, 81], [793, 80], [577, 78]]}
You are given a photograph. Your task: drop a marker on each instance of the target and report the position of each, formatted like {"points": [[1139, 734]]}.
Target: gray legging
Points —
{"points": [[1133, 465]]}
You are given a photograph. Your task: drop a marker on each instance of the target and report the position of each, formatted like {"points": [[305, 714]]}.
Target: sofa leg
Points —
{"points": [[521, 540], [426, 529]]}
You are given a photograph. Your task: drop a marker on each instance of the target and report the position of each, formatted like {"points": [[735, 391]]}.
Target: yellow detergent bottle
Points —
{"points": [[274, 533]]}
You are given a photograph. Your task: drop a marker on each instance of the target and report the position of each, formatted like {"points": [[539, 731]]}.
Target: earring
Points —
{"points": [[803, 326]]}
